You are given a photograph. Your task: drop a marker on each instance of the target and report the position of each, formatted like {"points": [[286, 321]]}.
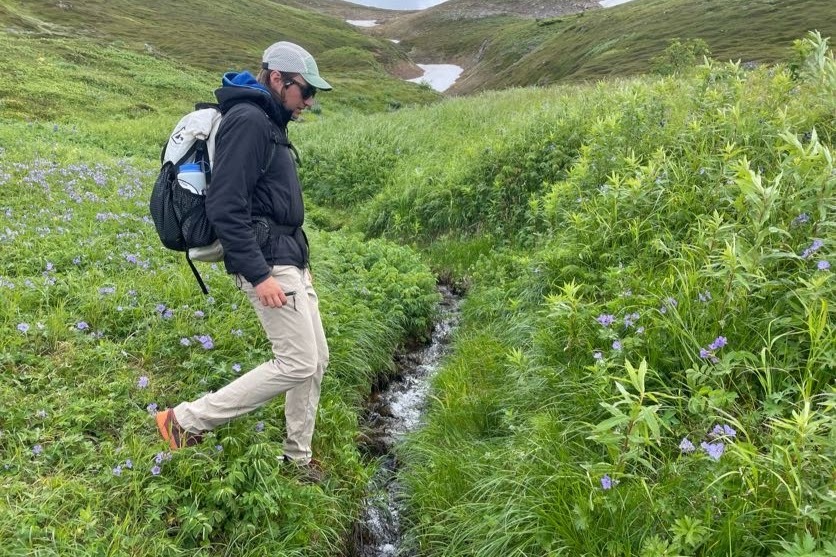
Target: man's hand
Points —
{"points": [[270, 293]]}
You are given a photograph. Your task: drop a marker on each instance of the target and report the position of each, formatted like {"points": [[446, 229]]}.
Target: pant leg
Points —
{"points": [[302, 401], [293, 338]]}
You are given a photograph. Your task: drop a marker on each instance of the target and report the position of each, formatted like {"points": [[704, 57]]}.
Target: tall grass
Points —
{"points": [[647, 361]]}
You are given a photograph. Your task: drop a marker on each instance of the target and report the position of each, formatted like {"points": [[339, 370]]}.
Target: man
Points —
{"points": [[254, 203]]}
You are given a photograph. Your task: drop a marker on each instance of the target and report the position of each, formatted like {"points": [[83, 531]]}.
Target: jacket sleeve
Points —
{"points": [[241, 147]]}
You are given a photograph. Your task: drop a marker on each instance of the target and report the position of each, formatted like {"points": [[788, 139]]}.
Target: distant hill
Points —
{"points": [[499, 47], [499, 43]]}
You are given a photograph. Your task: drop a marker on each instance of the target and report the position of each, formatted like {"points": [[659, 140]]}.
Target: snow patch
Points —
{"points": [[611, 3], [362, 22], [439, 76]]}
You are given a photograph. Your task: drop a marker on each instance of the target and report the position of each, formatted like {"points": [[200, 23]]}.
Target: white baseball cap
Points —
{"points": [[288, 57]]}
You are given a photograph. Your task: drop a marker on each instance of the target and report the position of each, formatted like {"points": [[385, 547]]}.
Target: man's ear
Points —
{"points": [[276, 79]]}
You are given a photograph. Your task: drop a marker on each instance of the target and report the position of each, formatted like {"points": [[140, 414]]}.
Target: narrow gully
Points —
{"points": [[393, 411]]}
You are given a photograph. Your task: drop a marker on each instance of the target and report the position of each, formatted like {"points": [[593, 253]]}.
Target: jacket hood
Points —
{"points": [[239, 87]]}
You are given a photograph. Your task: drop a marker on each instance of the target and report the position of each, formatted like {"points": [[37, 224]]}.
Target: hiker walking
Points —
{"points": [[254, 203]]}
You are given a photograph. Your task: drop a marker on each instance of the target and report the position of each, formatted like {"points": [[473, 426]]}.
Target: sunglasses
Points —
{"points": [[308, 91]]}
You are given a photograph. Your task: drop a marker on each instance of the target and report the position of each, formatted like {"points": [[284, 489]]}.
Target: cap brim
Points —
{"points": [[316, 81]]}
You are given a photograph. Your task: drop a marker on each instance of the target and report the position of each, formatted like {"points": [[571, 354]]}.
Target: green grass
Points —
{"points": [[93, 307], [685, 209]]}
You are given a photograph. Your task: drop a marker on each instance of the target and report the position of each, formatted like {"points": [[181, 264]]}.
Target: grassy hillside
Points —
{"points": [[109, 38], [229, 35], [498, 51]]}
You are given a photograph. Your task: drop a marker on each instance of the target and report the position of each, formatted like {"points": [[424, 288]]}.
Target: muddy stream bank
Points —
{"points": [[393, 411]]}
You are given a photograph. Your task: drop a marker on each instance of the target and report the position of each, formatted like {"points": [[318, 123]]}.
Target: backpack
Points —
{"points": [[179, 213]]}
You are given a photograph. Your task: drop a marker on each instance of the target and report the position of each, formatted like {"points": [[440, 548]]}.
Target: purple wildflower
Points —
{"points": [[155, 470], [142, 382], [823, 265], [259, 427], [630, 320], [117, 470], [640, 330], [671, 302], [718, 343], [37, 449], [605, 319], [714, 450], [129, 464], [105, 290], [76, 260], [23, 327], [803, 218], [704, 354], [236, 368], [219, 448], [607, 482], [686, 446], [237, 332], [185, 341], [814, 247], [199, 314], [168, 314], [159, 458], [616, 345], [41, 414], [598, 355], [152, 408], [160, 308], [82, 325], [206, 342], [704, 297], [722, 430]]}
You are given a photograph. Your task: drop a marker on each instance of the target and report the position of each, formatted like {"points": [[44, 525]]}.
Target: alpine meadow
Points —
{"points": [[645, 363]]}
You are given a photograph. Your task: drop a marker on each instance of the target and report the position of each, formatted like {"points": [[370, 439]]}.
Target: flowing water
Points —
{"points": [[394, 411]]}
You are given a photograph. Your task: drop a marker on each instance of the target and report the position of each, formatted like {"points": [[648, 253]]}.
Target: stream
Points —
{"points": [[394, 411]]}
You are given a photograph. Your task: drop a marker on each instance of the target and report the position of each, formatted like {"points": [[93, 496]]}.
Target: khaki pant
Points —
{"points": [[300, 357]]}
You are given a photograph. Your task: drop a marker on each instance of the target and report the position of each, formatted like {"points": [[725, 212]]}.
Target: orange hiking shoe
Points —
{"points": [[173, 434]]}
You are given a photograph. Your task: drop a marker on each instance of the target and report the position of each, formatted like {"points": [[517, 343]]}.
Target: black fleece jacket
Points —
{"points": [[254, 200]]}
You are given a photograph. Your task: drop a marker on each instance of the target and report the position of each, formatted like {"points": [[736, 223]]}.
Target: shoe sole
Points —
{"points": [[164, 426]]}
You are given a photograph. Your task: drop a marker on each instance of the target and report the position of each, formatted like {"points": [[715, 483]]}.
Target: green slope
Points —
{"points": [[201, 33], [501, 51], [94, 36]]}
